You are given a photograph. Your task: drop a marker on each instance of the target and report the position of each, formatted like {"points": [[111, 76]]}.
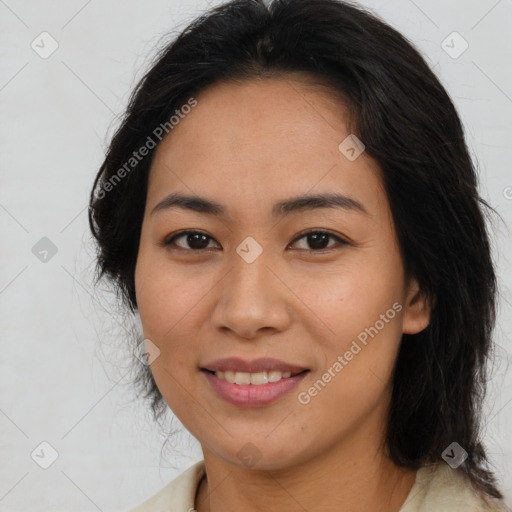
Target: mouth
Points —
{"points": [[255, 378], [255, 383], [253, 389]]}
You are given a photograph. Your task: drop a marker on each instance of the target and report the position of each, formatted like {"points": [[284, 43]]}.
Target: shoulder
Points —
{"points": [[443, 489], [177, 495]]}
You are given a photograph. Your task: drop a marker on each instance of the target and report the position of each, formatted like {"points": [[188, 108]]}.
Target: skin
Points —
{"points": [[248, 145]]}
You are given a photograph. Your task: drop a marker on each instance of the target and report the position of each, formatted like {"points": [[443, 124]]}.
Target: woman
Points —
{"points": [[290, 207]]}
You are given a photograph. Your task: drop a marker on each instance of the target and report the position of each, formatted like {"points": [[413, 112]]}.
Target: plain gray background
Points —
{"points": [[63, 380]]}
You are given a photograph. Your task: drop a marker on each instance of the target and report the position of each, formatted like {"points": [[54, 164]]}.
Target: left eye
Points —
{"points": [[198, 241], [318, 239]]}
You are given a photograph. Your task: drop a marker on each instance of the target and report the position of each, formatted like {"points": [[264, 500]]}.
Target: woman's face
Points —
{"points": [[334, 303]]}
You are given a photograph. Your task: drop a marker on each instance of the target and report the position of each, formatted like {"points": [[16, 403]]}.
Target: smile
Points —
{"points": [[252, 389], [257, 379]]}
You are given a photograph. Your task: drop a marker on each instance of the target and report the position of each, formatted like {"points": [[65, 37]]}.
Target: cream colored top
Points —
{"points": [[437, 488]]}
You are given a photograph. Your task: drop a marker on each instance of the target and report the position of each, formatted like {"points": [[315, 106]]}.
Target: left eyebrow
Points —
{"points": [[313, 202], [280, 209]]}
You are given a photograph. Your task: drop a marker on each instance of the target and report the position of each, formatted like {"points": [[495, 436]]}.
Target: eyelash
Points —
{"points": [[169, 241]]}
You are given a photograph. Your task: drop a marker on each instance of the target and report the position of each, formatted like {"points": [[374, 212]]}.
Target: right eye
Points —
{"points": [[196, 240]]}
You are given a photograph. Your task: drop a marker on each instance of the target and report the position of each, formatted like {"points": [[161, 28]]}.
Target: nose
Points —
{"points": [[252, 299]]}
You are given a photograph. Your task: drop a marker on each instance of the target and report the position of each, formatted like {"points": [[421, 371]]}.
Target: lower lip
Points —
{"points": [[251, 395]]}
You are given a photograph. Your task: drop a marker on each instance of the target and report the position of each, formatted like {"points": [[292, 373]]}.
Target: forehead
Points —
{"points": [[272, 116], [269, 138]]}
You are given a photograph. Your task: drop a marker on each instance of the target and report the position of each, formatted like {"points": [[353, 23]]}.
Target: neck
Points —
{"points": [[352, 477]]}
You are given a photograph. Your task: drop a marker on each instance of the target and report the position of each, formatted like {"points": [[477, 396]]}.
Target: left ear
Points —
{"points": [[417, 310]]}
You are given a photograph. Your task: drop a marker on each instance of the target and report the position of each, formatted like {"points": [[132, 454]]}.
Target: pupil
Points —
{"points": [[316, 237], [193, 239]]}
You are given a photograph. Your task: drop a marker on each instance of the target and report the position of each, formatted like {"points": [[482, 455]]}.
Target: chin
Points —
{"points": [[261, 454]]}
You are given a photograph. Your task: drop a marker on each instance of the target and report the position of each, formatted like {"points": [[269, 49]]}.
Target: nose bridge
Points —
{"points": [[251, 297], [249, 278]]}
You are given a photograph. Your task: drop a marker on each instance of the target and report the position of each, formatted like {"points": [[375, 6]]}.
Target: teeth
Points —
{"points": [[252, 378], [242, 378]]}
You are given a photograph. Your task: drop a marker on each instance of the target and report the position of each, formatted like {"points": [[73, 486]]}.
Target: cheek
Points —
{"points": [[349, 297], [171, 307], [162, 308], [353, 382], [360, 305], [165, 296]]}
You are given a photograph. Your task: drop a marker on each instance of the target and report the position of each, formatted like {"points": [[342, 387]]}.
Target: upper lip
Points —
{"points": [[237, 364]]}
